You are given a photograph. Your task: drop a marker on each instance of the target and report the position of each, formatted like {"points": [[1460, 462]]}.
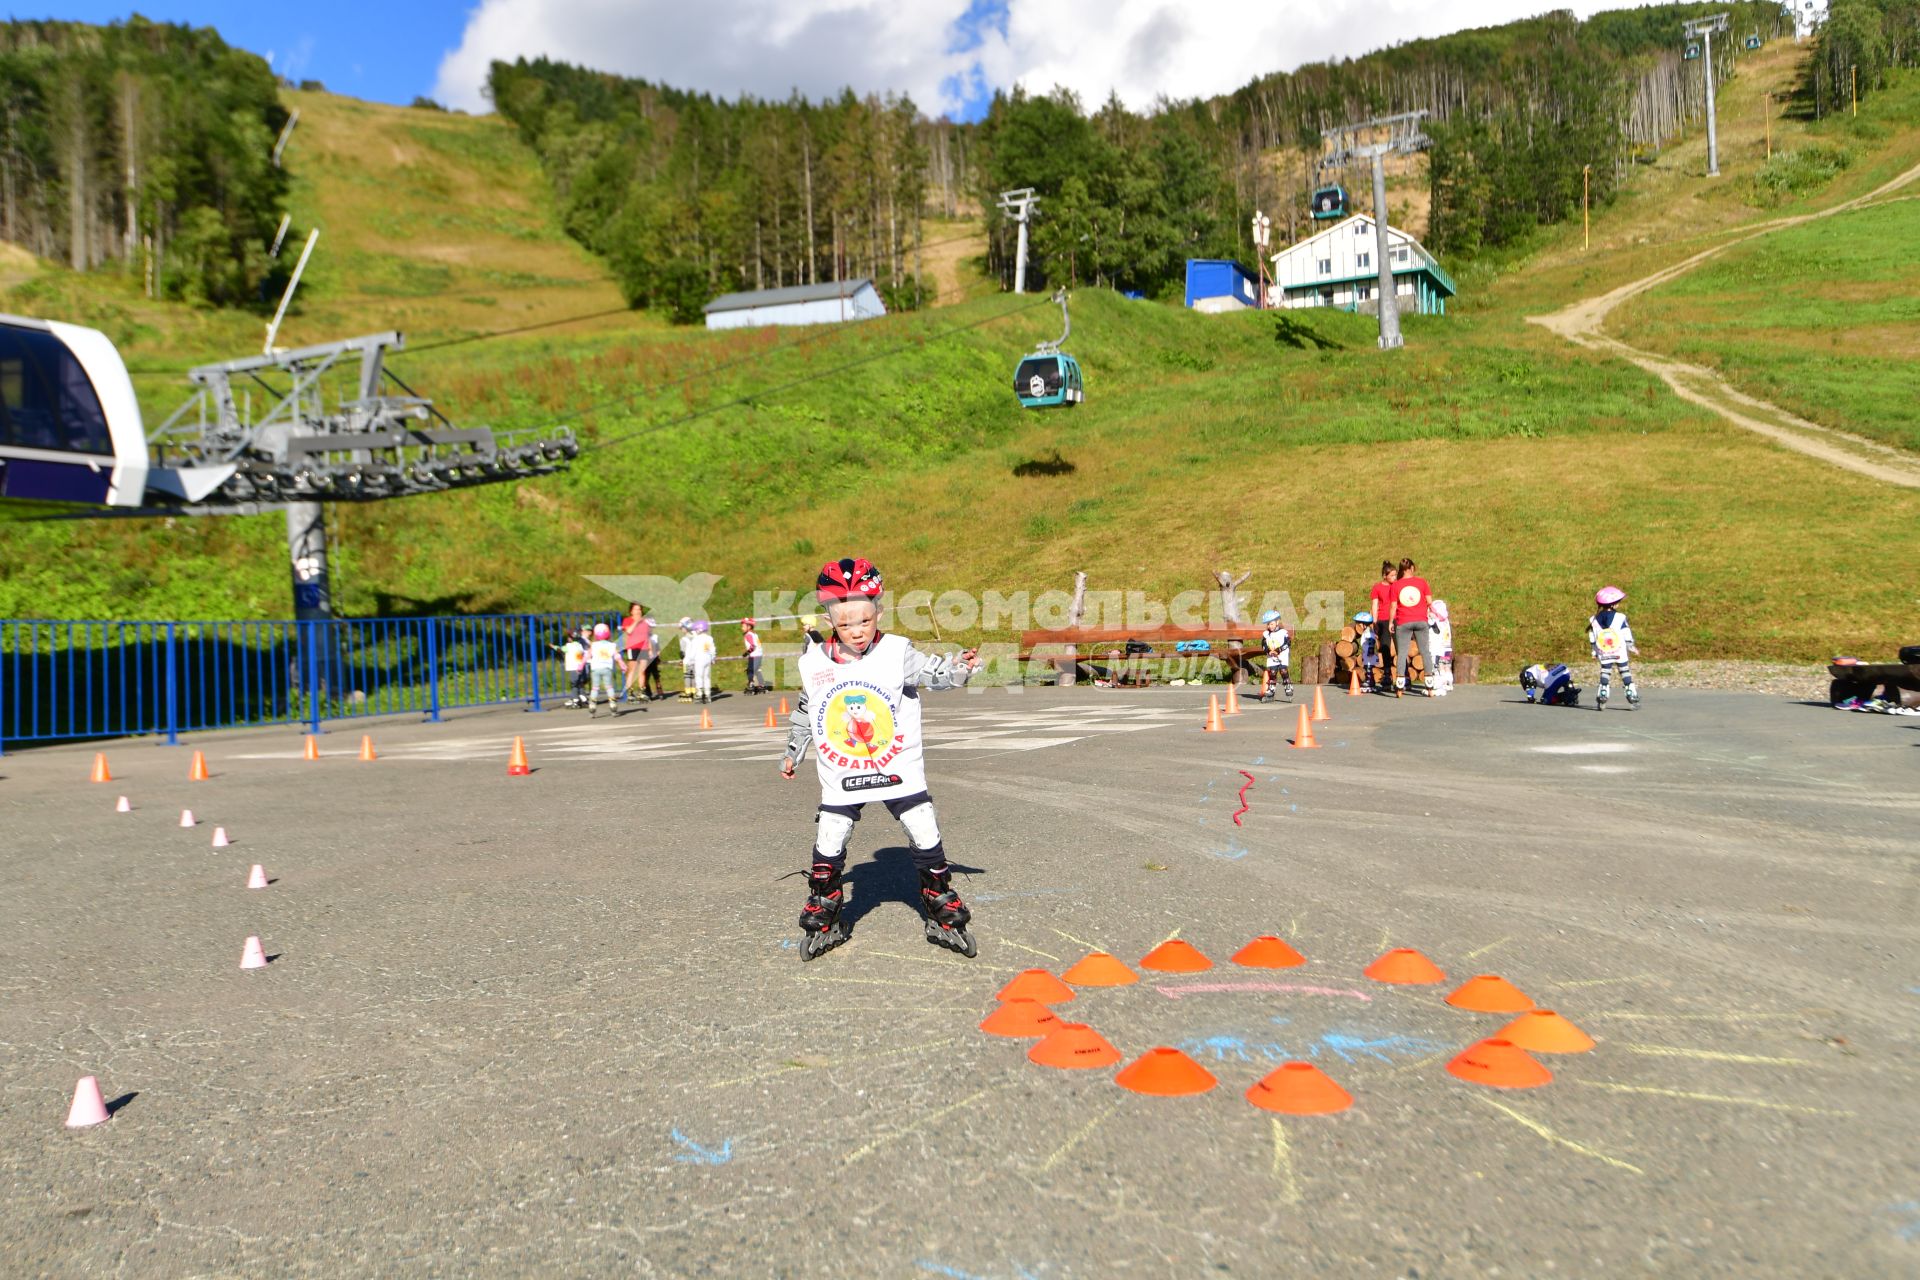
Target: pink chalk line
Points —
{"points": [[1244, 806], [1281, 988]]}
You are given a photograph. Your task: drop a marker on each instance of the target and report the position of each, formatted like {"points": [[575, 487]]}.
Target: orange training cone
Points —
{"points": [[1405, 967], [257, 878], [1175, 956], [785, 710], [1268, 952], [771, 722], [1073, 1046], [220, 840], [1213, 724], [88, 1107], [1233, 698], [1544, 1031], [1020, 1019], [1165, 1073], [197, 771], [1490, 993], [1303, 736], [1501, 1064], [186, 817], [366, 747], [1036, 984], [100, 771], [1353, 685], [1098, 969], [123, 805], [1320, 705], [706, 718], [312, 751], [1299, 1089], [517, 763], [253, 955]]}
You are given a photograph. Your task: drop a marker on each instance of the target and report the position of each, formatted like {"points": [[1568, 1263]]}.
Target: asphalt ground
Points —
{"points": [[558, 1025]]}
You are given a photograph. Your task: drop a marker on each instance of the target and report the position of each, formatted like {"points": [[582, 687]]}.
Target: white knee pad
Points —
{"points": [[830, 840], [923, 828]]}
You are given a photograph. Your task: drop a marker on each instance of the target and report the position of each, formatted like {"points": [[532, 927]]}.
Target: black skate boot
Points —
{"points": [[821, 916], [946, 915]]}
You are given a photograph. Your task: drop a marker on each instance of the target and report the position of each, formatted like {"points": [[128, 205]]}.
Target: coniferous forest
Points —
{"points": [[146, 146]]}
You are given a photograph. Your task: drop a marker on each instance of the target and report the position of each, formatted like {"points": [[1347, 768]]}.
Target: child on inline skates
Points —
{"points": [[750, 647], [700, 655], [859, 708], [573, 655], [603, 655], [1278, 643], [1611, 640]]}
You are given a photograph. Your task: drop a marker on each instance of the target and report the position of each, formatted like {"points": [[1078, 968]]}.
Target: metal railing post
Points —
{"points": [[311, 639], [173, 689], [433, 670], [533, 656]]}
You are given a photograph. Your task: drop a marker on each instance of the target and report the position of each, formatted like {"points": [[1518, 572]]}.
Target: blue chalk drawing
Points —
{"points": [[1348, 1045], [786, 944], [697, 1154], [1908, 1230], [1232, 853], [1382, 1048]]}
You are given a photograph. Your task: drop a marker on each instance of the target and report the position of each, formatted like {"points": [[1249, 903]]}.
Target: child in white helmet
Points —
{"points": [[603, 656], [700, 655], [1611, 640], [1440, 631], [1369, 655], [573, 654], [686, 660], [859, 710], [1278, 643]]}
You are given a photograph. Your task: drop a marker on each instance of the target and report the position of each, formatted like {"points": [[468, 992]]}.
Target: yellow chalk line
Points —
{"points": [[1079, 1136], [838, 1062], [921, 1123], [1282, 1169], [1714, 1055], [1169, 938], [1417, 1064], [1711, 1097], [968, 964], [1601, 982], [1557, 1140], [873, 982], [1385, 936], [1692, 1017], [1489, 947], [1007, 942], [1091, 946]]}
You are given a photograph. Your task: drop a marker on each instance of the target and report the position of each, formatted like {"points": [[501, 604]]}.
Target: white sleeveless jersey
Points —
{"points": [[864, 717], [1612, 641]]}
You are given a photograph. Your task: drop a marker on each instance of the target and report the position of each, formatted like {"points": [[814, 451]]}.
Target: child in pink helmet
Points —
{"points": [[1611, 640], [603, 655]]}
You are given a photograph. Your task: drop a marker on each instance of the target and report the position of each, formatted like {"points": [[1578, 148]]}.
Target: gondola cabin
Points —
{"points": [[1330, 202], [70, 428], [1753, 42], [1693, 52], [1048, 380]]}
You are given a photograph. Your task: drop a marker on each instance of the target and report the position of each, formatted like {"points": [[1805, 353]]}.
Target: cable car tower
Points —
{"points": [[1703, 30], [1363, 140]]}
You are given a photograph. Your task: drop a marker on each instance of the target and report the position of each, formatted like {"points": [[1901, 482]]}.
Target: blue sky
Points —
{"points": [[949, 55], [387, 52]]}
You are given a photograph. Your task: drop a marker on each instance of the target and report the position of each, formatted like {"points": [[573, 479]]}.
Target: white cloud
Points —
{"points": [[1139, 48]]}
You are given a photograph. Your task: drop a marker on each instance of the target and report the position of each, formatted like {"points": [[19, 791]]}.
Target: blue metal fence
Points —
{"points": [[65, 680]]}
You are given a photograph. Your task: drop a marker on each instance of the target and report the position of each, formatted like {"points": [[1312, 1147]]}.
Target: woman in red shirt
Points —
{"points": [[1411, 596]]}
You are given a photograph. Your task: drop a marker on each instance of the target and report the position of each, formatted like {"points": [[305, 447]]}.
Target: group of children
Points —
{"points": [[591, 656]]}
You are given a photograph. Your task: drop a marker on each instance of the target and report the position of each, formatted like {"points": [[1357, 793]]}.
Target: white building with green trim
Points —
{"points": [[1336, 268]]}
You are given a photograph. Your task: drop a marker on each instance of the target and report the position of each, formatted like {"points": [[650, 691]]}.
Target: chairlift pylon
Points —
{"points": [[1049, 377]]}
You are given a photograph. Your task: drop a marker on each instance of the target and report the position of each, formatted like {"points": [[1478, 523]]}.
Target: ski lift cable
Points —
{"points": [[753, 396]]}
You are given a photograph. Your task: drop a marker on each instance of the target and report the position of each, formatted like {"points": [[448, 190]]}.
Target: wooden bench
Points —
{"points": [[1066, 651]]}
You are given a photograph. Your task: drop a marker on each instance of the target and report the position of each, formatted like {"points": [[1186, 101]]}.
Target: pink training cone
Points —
{"points": [[257, 878], [89, 1107], [220, 840], [252, 956], [124, 806], [186, 817]]}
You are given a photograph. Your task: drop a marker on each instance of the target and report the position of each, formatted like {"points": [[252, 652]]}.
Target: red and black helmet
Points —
{"points": [[848, 580]]}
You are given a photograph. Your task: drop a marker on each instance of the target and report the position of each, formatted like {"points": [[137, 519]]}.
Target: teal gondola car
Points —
{"points": [[1048, 377], [1753, 42], [1693, 52], [1330, 202], [1046, 380]]}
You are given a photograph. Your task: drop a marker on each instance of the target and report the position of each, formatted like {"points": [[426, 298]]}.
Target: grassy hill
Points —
{"points": [[1521, 472]]}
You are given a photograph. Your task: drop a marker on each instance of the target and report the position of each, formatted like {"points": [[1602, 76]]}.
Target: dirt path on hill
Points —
{"points": [[1584, 323]]}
